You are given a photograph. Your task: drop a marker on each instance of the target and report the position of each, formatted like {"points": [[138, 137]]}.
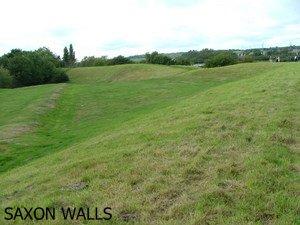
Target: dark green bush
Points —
{"points": [[5, 78], [221, 59], [119, 60], [94, 61], [59, 76], [248, 59], [156, 58], [32, 67]]}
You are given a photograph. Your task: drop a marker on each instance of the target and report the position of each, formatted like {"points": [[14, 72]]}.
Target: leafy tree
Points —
{"points": [[5, 58], [151, 58], [32, 67], [43, 67], [119, 60], [248, 59], [5, 78], [59, 76], [69, 59], [221, 59], [195, 57], [156, 58], [20, 67], [94, 61], [47, 54], [88, 61], [102, 61]]}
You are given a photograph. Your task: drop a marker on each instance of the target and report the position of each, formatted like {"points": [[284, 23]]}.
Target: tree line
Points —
{"points": [[150, 58], [103, 61], [23, 68]]}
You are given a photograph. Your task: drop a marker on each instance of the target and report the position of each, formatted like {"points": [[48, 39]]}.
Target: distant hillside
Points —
{"points": [[139, 58], [258, 54]]}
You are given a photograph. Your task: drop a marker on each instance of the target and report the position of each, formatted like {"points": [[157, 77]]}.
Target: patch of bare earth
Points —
{"points": [[11, 131], [50, 103]]}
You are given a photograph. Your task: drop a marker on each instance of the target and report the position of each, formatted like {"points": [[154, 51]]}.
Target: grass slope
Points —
{"points": [[99, 99], [160, 145]]}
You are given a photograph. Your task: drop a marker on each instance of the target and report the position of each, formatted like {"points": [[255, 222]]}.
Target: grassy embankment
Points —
{"points": [[160, 145]]}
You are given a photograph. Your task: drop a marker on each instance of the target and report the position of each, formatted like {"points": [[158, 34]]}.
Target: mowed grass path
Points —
{"points": [[165, 145]]}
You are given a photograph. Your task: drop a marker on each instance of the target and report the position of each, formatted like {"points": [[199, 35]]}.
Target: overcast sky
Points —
{"points": [[129, 27]]}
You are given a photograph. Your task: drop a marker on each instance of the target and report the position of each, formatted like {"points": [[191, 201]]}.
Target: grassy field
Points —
{"points": [[157, 144]]}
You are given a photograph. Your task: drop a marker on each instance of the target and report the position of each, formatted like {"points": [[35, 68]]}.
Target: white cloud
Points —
{"points": [[135, 26]]}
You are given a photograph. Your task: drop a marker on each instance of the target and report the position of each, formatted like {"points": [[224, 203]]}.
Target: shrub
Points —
{"points": [[59, 76], [32, 67], [181, 61], [221, 59], [248, 59], [119, 60], [156, 58], [94, 61], [5, 78]]}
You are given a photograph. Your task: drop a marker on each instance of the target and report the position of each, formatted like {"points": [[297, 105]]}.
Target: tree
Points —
{"points": [[66, 57], [47, 54], [151, 58], [21, 69], [221, 59], [59, 76], [248, 59], [156, 58], [5, 78], [195, 57], [69, 58], [33, 67], [5, 58], [94, 61], [102, 61], [119, 60], [72, 59]]}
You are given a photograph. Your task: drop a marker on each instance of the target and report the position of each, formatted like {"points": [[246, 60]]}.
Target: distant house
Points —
{"points": [[199, 65], [240, 53], [274, 59], [278, 59], [296, 51], [264, 52]]}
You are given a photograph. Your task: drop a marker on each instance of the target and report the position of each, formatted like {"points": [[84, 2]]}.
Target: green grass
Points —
{"points": [[160, 145]]}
